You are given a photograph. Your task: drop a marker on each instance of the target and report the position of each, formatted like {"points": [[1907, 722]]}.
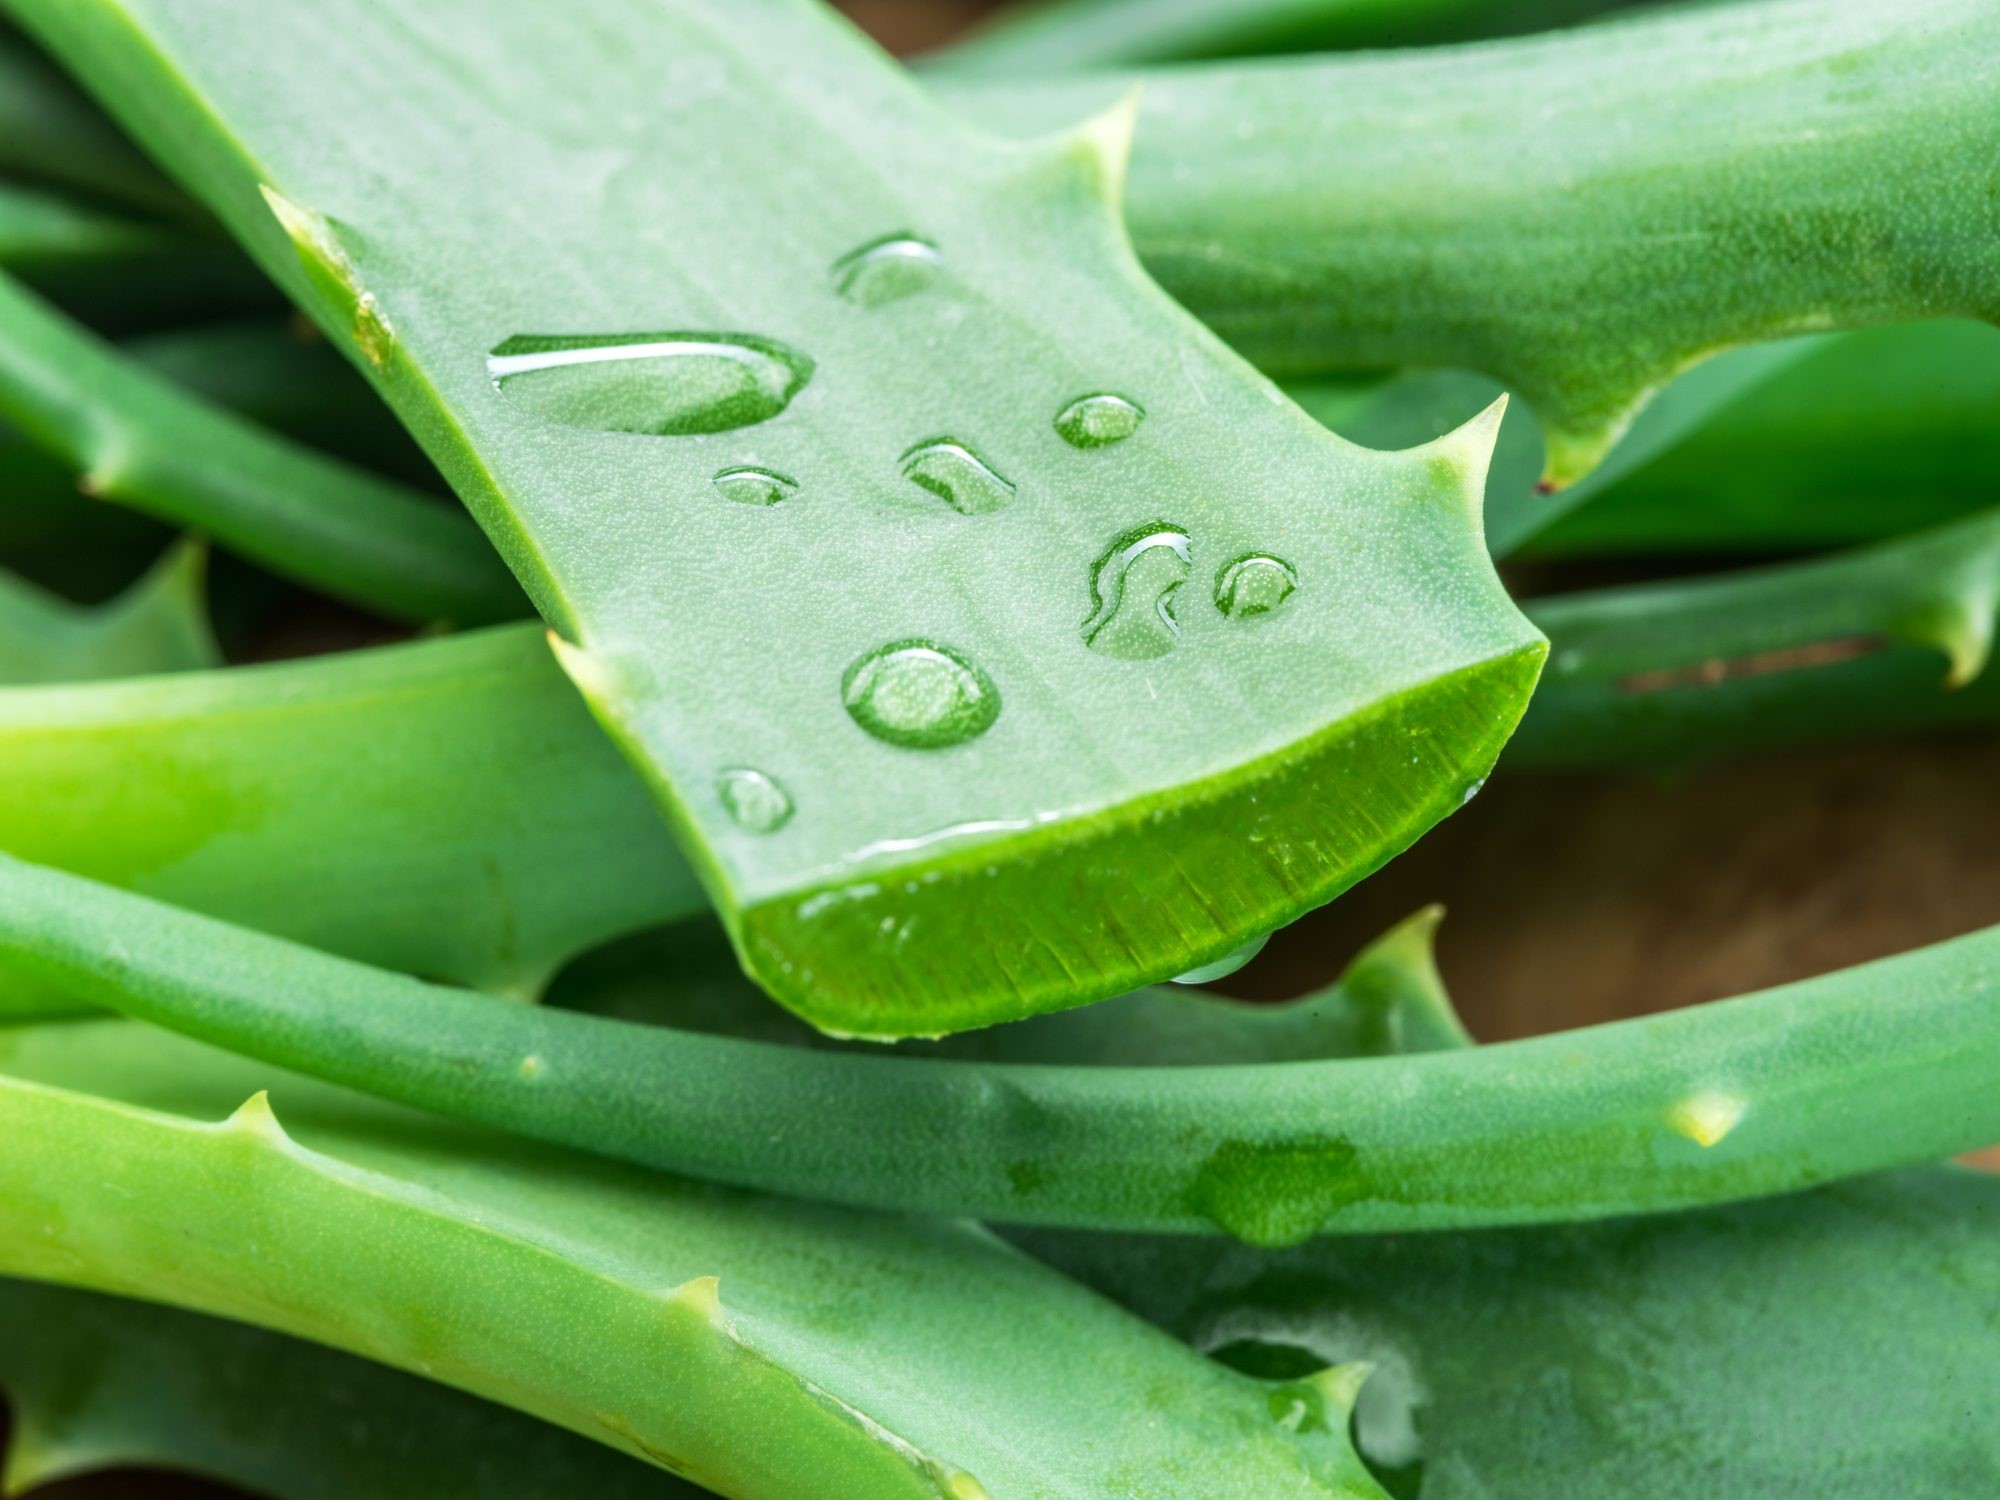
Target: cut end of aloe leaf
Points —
{"points": [[1077, 909]]}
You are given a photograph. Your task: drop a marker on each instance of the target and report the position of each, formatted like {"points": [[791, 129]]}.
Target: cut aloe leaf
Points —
{"points": [[1390, 1000], [1868, 435], [160, 624], [1888, 638], [445, 807], [1811, 1345], [1877, 1066], [760, 1348], [919, 797], [1772, 169], [100, 1383], [143, 442], [1041, 37]]}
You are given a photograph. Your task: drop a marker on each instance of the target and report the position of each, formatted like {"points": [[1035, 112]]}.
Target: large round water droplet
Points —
{"points": [[957, 476], [1133, 585], [919, 695], [753, 800], [748, 486], [1098, 421], [659, 384], [887, 270], [1254, 584]]}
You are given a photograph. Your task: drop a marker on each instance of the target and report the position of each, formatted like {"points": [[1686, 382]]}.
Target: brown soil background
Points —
{"points": [[1574, 899]]}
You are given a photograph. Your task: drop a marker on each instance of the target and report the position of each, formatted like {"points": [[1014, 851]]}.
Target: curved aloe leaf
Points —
{"points": [[1773, 169], [907, 716], [1042, 37], [160, 624], [762, 1349], [1389, 1000], [445, 807], [42, 231], [143, 442], [103, 1382], [1869, 434], [1891, 637], [1811, 1345], [1876, 1066]]}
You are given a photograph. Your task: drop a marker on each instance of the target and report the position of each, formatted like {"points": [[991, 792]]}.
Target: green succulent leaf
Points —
{"points": [[1828, 1343], [143, 442], [42, 230], [1773, 169], [762, 1349], [51, 133], [98, 1383], [907, 708], [1893, 637], [159, 624], [444, 807], [1881, 1065]]}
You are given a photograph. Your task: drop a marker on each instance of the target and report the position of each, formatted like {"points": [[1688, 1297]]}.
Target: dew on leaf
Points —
{"points": [[1132, 586], [1226, 965], [751, 486], [753, 800], [957, 476], [658, 384], [1098, 421], [887, 270], [919, 695], [1254, 584]]}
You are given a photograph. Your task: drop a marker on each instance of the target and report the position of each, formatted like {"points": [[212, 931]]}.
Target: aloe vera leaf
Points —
{"points": [[1041, 38], [50, 132], [160, 624], [1819, 1344], [1876, 1066], [1838, 154], [838, 1355], [1892, 637], [1389, 1000], [444, 806], [42, 230], [104, 1382], [142, 442], [1032, 305], [1873, 433]]}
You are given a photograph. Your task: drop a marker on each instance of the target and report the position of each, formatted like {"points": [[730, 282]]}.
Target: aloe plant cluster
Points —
{"points": [[848, 577]]}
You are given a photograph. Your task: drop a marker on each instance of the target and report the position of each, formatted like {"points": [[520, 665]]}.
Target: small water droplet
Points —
{"points": [[753, 800], [1133, 585], [1254, 584], [658, 384], [748, 486], [1098, 421], [887, 270], [1226, 965], [919, 695], [957, 476]]}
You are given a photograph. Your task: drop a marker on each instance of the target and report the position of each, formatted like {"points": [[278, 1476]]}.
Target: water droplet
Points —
{"points": [[1098, 421], [919, 695], [660, 384], [957, 476], [887, 270], [748, 486], [1133, 584], [1226, 965], [1254, 584], [753, 800]]}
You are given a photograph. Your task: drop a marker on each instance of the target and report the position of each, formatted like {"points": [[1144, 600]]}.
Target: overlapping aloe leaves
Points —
{"points": [[447, 808]]}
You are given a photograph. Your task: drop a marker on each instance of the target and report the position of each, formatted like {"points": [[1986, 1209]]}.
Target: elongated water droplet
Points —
{"points": [[1098, 421], [748, 486], [1133, 585], [919, 695], [1254, 584], [1226, 965], [660, 384], [753, 800], [887, 270], [957, 476]]}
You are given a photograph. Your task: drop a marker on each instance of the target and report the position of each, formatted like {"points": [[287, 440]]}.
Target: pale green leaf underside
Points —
{"points": [[841, 1359], [430, 212]]}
